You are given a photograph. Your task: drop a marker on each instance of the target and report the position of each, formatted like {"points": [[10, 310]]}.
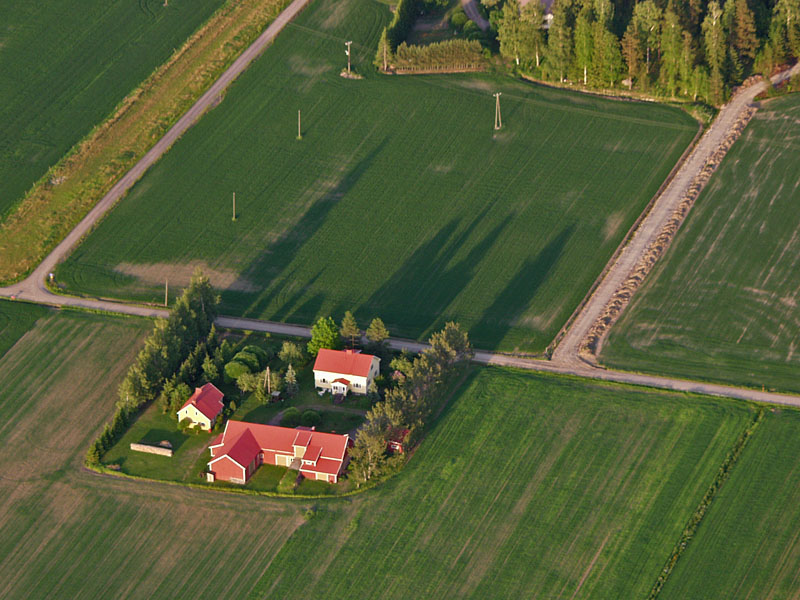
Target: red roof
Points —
{"points": [[343, 362], [206, 399], [243, 441], [341, 380]]}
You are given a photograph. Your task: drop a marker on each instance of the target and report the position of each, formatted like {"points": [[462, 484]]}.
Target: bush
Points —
{"points": [[264, 356], [248, 358], [458, 19], [310, 418], [234, 369], [291, 417]]}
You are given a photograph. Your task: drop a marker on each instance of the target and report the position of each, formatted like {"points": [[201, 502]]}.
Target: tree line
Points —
{"points": [[420, 385], [673, 48], [172, 356]]}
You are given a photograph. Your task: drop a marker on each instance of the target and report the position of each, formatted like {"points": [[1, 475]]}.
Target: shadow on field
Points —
{"points": [[269, 267], [422, 288], [511, 303]]}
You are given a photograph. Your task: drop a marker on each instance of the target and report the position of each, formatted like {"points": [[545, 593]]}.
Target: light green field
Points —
{"points": [[529, 486], [66, 65], [748, 545], [69, 533], [400, 201], [723, 303]]}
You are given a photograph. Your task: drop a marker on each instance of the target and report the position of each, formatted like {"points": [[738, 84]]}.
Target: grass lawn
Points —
{"points": [[529, 486], [722, 304], [400, 201], [15, 319], [69, 533], [66, 67], [748, 544]]}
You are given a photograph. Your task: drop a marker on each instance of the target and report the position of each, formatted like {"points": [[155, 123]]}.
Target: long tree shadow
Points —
{"points": [[515, 299], [272, 263], [413, 299]]}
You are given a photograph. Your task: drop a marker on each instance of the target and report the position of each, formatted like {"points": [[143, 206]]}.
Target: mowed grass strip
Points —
{"points": [[66, 66], [748, 545], [723, 304], [69, 533], [529, 486], [400, 201], [63, 196], [15, 319]]}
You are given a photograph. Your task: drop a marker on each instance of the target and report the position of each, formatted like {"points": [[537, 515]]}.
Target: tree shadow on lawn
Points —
{"points": [[413, 300], [512, 303], [154, 436], [269, 267]]}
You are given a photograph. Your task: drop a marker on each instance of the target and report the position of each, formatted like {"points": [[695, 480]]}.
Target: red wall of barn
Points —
{"points": [[225, 469]]}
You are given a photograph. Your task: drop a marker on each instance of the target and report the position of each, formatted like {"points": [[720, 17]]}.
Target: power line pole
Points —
{"points": [[299, 134], [348, 55], [498, 123], [234, 207], [166, 291]]}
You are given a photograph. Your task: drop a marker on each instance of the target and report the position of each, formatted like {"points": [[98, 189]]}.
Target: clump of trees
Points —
{"points": [[409, 405], [683, 48], [448, 55], [176, 351]]}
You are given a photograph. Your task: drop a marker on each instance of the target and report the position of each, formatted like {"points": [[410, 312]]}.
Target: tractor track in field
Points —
{"points": [[566, 359]]}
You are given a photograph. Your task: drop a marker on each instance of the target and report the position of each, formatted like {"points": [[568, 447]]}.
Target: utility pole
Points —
{"points": [[266, 377], [269, 383], [498, 123], [385, 65], [299, 134], [234, 207], [166, 291], [348, 55]]}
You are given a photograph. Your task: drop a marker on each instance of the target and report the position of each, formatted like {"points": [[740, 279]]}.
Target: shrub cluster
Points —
{"points": [[408, 406], [172, 353]]}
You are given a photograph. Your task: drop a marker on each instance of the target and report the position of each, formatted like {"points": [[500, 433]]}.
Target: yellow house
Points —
{"points": [[203, 407]]}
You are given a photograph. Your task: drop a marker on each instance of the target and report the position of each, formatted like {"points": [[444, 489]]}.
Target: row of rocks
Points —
{"points": [[619, 300]]}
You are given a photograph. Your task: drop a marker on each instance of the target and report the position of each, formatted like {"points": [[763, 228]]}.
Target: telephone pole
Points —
{"points": [[348, 55], [299, 134], [166, 291], [498, 123], [234, 207]]}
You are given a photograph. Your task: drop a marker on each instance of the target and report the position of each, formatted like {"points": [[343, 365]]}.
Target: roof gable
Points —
{"points": [[344, 362], [207, 400]]}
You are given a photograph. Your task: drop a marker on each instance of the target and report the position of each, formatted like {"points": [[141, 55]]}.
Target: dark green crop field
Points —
{"points": [[66, 65], [748, 545], [530, 486], [16, 318], [723, 303], [400, 201]]}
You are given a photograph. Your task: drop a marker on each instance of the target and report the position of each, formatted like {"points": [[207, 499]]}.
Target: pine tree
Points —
{"points": [[377, 332], [714, 42], [349, 328], [632, 52], [290, 381]]}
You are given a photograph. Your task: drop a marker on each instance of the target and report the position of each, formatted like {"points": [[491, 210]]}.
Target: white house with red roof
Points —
{"points": [[203, 407], [343, 371], [239, 450]]}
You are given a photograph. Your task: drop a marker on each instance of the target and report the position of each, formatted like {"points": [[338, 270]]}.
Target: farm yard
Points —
{"points": [[73, 534], [723, 303], [530, 485], [66, 67], [398, 201], [748, 546]]}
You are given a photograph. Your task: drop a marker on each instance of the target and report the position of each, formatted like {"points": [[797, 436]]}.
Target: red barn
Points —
{"points": [[239, 450]]}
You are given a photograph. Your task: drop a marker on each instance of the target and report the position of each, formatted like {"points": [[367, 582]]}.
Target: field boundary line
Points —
{"points": [[723, 474]]}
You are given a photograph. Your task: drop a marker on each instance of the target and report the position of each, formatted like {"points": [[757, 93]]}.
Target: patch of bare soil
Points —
{"points": [[179, 275]]}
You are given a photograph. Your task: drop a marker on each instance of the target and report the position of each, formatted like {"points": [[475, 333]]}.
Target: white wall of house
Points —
{"points": [[194, 415], [358, 385]]}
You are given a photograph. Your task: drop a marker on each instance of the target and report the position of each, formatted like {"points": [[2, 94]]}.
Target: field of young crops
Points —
{"points": [[748, 545], [400, 200], [723, 304], [69, 533], [65, 66], [530, 486], [15, 319]]}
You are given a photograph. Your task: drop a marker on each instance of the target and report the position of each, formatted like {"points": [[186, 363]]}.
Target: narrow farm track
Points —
{"points": [[565, 360]]}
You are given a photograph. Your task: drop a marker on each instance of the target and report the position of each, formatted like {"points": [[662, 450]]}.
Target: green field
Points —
{"points": [[399, 201], [16, 318], [530, 486], [70, 533], [748, 545], [723, 303], [66, 66]]}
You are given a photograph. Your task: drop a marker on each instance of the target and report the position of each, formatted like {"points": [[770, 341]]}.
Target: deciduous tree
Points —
{"points": [[324, 334]]}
